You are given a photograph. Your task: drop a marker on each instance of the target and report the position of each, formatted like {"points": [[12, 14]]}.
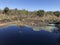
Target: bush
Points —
{"points": [[40, 13], [56, 13]]}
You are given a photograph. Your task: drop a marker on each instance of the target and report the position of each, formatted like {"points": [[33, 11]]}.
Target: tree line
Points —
{"points": [[24, 12]]}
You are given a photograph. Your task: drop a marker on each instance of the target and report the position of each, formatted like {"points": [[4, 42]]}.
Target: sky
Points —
{"points": [[31, 5]]}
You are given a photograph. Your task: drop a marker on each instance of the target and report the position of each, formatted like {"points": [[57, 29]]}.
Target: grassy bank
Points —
{"points": [[32, 21], [9, 23]]}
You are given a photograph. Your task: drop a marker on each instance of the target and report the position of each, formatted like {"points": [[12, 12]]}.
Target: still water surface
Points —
{"points": [[15, 35]]}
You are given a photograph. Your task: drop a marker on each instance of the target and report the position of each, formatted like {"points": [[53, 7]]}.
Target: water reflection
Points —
{"points": [[14, 35]]}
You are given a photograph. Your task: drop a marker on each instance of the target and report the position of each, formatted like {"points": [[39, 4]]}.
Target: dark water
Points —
{"points": [[14, 35]]}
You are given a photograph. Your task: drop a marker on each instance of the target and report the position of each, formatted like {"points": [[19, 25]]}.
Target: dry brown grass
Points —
{"points": [[48, 18]]}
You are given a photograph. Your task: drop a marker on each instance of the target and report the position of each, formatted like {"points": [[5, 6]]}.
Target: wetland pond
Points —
{"points": [[28, 35]]}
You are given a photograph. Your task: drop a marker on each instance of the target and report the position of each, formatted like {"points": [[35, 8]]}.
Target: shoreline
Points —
{"points": [[11, 23], [20, 23]]}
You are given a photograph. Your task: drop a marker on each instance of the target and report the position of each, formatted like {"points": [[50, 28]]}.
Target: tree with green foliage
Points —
{"points": [[56, 13], [6, 10], [40, 13]]}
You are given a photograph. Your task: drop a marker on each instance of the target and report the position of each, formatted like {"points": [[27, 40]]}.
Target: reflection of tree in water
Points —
{"points": [[57, 24], [14, 35]]}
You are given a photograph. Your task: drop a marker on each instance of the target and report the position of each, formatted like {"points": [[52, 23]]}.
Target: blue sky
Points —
{"points": [[31, 5]]}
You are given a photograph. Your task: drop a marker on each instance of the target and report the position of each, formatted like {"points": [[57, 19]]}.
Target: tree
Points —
{"points": [[6, 10], [56, 13], [40, 13]]}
